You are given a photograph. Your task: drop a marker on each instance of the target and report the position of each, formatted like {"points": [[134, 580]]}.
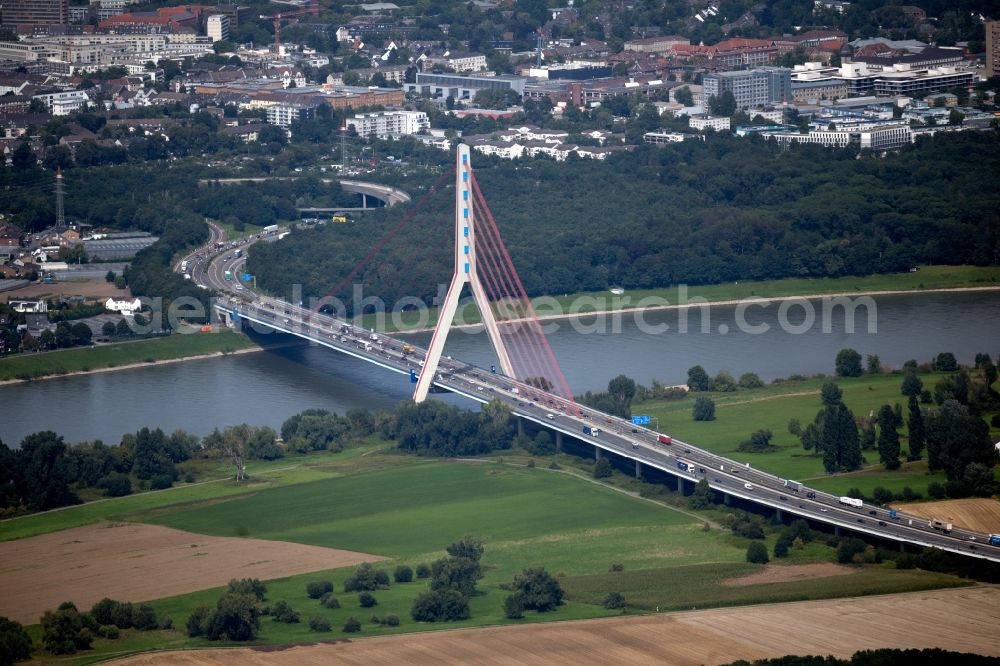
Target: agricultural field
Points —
{"points": [[739, 413], [408, 510], [980, 514]]}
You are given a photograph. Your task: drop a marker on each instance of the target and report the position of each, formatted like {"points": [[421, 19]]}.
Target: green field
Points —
{"points": [[928, 277], [24, 366], [739, 413]]}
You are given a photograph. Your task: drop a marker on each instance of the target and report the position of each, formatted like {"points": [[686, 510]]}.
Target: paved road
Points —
{"points": [[684, 460]]}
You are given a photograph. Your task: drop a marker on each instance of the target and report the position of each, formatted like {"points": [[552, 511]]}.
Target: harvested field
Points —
{"points": [[981, 514], [95, 288], [785, 573], [963, 620], [133, 562]]}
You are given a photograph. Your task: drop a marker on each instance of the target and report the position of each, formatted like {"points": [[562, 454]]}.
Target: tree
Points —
{"points": [[888, 438], [63, 631], [110, 276], [757, 553], [15, 643], [698, 379], [602, 469], [704, 409], [683, 96], [123, 329], [759, 442], [945, 362], [614, 601], [702, 497], [317, 588], [513, 606], [848, 363], [469, 547], [874, 364], [622, 388], [108, 330], [751, 380], [794, 427], [457, 573], [722, 105], [911, 386], [830, 394], [445, 605], [402, 574], [538, 589], [282, 612], [367, 600], [955, 438], [42, 480], [915, 425], [236, 618]]}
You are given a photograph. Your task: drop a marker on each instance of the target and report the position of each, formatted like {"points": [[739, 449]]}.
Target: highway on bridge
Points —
{"points": [[615, 435]]}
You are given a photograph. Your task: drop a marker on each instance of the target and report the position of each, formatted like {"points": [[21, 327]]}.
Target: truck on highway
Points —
{"points": [[850, 501], [683, 466], [238, 254], [940, 525], [794, 486], [270, 229], [228, 275], [593, 432], [665, 439], [995, 539], [407, 349], [184, 266]]}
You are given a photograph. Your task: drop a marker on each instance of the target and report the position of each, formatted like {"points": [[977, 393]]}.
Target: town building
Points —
{"points": [[124, 306], [217, 27], [22, 13], [385, 124], [660, 44], [708, 122], [285, 113], [462, 87], [755, 87], [992, 49]]}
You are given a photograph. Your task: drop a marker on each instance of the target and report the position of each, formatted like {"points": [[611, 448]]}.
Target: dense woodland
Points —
{"points": [[699, 212]]}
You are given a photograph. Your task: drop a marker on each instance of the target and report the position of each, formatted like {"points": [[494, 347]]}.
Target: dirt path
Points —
{"points": [[981, 515], [133, 562], [959, 619]]}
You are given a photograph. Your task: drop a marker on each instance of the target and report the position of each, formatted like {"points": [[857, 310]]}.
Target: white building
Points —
{"points": [[462, 62], [65, 102], [886, 138], [29, 306], [217, 27], [718, 123], [384, 124], [126, 307]]}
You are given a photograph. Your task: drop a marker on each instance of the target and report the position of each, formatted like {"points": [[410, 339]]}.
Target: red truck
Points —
{"points": [[665, 439]]}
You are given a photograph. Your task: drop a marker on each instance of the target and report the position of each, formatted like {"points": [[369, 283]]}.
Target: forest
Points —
{"points": [[716, 211]]}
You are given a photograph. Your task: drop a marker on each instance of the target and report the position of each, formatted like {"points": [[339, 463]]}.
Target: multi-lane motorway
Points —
{"points": [[208, 267]]}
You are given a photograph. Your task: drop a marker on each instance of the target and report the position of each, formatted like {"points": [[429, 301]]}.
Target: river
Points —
{"points": [[266, 388]]}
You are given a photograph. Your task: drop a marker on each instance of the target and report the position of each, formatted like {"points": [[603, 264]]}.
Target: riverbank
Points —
{"points": [[123, 356], [693, 301]]}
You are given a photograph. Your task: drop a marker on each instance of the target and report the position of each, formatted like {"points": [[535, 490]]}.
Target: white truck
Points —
{"points": [[940, 525], [850, 501]]}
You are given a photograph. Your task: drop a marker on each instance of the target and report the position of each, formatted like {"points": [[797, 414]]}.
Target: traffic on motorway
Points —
{"points": [[685, 461]]}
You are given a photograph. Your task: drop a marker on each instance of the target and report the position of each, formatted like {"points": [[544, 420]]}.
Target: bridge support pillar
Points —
{"points": [[638, 469], [836, 530], [779, 515], [685, 486], [364, 200], [597, 453], [520, 427], [727, 499], [902, 546], [558, 440]]}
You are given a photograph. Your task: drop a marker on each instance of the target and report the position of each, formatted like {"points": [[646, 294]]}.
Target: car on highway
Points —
{"points": [[748, 486], [550, 416]]}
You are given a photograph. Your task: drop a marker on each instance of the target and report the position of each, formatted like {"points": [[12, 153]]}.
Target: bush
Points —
{"points": [[15, 643], [251, 586], [329, 601], [319, 624], [374, 619], [757, 553], [704, 409], [617, 566], [848, 548], [282, 612], [423, 571], [402, 574], [539, 589], [936, 490], [144, 618], [166, 622], [602, 469], [109, 611], [116, 485], [317, 588], [905, 561], [391, 620], [614, 601], [366, 578], [352, 625], [513, 606], [367, 600], [63, 631], [109, 631], [161, 482], [197, 621], [442, 605], [781, 548]]}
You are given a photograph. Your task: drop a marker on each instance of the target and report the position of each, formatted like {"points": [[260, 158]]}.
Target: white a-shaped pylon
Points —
{"points": [[465, 273]]}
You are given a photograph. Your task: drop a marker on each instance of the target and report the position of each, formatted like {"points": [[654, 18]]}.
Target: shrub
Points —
{"points": [[319, 624], [513, 606], [161, 482], [757, 553], [251, 586], [109, 611], [282, 612], [539, 589], [781, 548], [402, 574], [318, 588], [704, 409], [602, 469], [144, 618], [366, 578], [116, 485], [391, 620], [63, 631], [936, 490], [442, 605], [108, 631], [614, 601], [374, 619], [197, 621], [617, 566], [423, 571], [352, 625], [166, 622], [329, 601], [848, 548], [367, 600], [15, 643], [905, 561]]}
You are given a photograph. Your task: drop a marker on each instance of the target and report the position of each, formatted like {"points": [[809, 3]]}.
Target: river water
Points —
{"points": [[266, 388]]}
